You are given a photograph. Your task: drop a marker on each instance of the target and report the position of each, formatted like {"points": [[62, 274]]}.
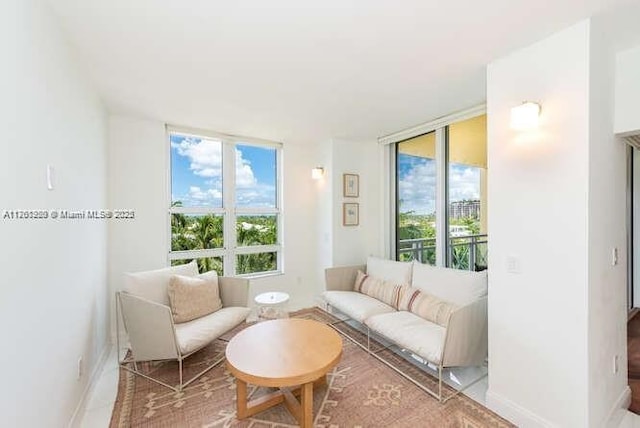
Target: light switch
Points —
{"points": [[513, 264], [50, 177]]}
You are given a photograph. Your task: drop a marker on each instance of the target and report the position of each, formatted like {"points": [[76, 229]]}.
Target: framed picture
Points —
{"points": [[351, 185], [350, 214]]}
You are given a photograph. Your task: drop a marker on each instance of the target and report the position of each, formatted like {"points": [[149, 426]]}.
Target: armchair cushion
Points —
{"points": [[193, 335], [193, 298], [152, 284]]}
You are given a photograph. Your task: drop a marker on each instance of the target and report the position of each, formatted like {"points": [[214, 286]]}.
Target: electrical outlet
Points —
{"points": [[614, 256], [616, 365], [80, 368]]}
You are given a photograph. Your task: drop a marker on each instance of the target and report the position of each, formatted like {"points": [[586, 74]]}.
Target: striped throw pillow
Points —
{"points": [[385, 291], [425, 305]]}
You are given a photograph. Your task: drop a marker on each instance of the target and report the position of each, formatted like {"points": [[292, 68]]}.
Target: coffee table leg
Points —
{"points": [[241, 398], [306, 402]]}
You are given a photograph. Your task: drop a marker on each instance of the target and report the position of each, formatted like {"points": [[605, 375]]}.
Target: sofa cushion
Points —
{"points": [[411, 332], [356, 305], [389, 270], [452, 285], [425, 305], [152, 284], [193, 335], [193, 297]]}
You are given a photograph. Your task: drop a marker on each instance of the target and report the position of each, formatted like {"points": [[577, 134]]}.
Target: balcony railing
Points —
{"points": [[467, 252]]}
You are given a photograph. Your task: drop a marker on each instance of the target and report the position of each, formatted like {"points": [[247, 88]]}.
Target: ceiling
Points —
{"points": [[302, 71]]}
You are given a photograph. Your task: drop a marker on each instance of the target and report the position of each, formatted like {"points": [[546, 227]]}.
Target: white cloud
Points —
{"points": [[244, 174], [205, 156], [464, 183], [417, 188], [205, 160], [196, 196]]}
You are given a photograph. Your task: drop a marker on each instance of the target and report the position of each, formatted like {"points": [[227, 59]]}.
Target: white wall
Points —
{"points": [[556, 205], [352, 244], [138, 162], [627, 118], [607, 334], [138, 159], [53, 303]]}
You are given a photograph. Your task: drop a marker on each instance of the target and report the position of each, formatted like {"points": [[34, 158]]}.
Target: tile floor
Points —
{"points": [[100, 403]]}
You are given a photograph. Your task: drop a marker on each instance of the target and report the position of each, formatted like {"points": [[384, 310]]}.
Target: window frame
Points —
{"points": [[441, 128], [229, 212]]}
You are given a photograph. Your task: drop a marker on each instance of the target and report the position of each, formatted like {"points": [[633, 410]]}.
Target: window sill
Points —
{"points": [[261, 275]]}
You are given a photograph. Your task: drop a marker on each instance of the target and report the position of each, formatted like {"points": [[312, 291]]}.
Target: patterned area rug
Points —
{"points": [[360, 392]]}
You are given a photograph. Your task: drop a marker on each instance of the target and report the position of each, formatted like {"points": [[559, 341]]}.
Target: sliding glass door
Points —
{"points": [[416, 202], [440, 207]]}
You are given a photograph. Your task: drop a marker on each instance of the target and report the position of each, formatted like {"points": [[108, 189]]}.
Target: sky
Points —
{"points": [[196, 173], [196, 177], [417, 183]]}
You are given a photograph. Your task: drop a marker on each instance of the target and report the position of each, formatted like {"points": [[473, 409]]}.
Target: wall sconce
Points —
{"points": [[525, 116], [317, 173]]}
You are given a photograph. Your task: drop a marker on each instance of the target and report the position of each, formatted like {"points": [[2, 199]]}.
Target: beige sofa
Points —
{"points": [[462, 342]]}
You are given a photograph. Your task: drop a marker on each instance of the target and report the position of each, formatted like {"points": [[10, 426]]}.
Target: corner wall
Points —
{"points": [[627, 118], [352, 244], [607, 334], [53, 304], [557, 209]]}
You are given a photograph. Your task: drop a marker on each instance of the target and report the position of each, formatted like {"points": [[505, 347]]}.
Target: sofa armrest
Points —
{"points": [[466, 338], [233, 291], [341, 278], [149, 326]]}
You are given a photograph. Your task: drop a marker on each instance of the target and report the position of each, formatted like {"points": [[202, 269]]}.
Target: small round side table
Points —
{"points": [[270, 305]]}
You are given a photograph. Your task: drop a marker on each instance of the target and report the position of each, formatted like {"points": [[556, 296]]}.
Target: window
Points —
{"points": [[440, 188], [225, 203]]}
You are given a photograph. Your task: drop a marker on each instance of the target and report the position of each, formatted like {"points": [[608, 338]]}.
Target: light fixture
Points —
{"points": [[525, 116], [317, 173]]}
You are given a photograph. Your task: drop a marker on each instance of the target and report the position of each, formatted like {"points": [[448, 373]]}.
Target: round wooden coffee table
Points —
{"points": [[283, 353]]}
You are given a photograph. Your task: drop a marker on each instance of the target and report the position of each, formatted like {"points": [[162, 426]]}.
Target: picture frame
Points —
{"points": [[350, 214], [351, 185]]}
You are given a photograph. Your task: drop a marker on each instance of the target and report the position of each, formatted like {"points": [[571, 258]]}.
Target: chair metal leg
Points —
{"points": [[438, 395]]}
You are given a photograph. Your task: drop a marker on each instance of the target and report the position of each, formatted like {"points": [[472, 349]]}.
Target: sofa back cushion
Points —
{"points": [[452, 285], [425, 305], [152, 284], [385, 291], [193, 297], [389, 270]]}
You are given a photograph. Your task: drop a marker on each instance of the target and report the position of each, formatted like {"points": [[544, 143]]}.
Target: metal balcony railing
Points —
{"points": [[467, 252]]}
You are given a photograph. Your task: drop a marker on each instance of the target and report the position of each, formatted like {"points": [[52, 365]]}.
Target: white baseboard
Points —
{"points": [[618, 410], [93, 380], [515, 413]]}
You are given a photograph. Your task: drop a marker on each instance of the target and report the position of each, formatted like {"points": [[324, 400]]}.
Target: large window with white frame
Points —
{"points": [[225, 202], [439, 185]]}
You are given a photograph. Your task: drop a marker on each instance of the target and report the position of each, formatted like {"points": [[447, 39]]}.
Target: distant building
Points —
{"points": [[464, 209]]}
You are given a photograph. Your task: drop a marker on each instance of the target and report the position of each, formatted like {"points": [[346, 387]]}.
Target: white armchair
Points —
{"points": [[148, 321]]}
